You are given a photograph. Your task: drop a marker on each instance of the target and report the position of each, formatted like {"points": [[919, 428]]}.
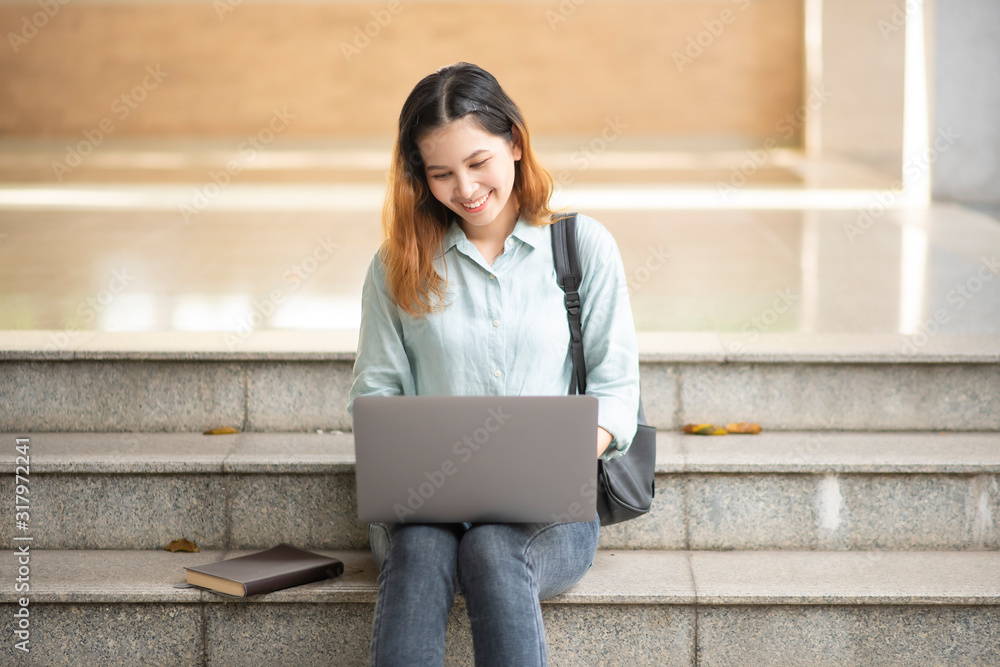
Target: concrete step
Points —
{"points": [[780, 490], [143, 382], [633, 608]]}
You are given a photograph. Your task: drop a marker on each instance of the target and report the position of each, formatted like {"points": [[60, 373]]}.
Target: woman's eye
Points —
{"points": [[440, 177], [480, 164]]}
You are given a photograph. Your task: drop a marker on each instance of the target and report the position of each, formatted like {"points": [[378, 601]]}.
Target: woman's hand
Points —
{"points": [[603, 440]]}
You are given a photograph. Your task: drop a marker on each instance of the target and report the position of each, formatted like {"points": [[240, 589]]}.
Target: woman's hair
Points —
{"points": [[413, 221]]}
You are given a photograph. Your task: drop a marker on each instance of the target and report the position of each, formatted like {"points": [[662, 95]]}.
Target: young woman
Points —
{"points": [[462, 299]]}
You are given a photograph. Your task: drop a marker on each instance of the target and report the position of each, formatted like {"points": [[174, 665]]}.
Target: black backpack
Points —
{"points": [[625, 487]]}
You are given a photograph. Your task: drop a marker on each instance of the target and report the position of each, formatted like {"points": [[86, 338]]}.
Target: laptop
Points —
{"points": [[476, 459]]}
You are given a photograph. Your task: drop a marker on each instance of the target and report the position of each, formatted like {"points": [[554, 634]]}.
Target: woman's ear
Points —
{"points": [[515, 143]]}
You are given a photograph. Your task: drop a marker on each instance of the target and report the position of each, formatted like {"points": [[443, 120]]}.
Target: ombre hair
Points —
{"points": [[413, 221]]}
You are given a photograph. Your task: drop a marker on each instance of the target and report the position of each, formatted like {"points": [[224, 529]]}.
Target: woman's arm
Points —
{"points": [[609, 340], [603, 441], [382, 367]]}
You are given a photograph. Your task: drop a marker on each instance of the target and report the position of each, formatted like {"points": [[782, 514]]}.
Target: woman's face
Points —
{"points": [[471, 172]]}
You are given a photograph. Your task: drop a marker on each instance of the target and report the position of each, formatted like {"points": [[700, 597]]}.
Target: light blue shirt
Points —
{"points": [[504, 332]]}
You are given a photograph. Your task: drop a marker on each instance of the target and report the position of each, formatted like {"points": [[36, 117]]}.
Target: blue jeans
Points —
{"points": [[503, 570]]}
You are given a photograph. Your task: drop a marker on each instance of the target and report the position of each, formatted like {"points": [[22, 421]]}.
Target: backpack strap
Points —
{"points": [[569, 276]]}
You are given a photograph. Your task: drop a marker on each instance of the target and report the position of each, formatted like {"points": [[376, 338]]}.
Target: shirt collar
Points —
{"points": [[531, 234], [523, 230], [452, 236]]}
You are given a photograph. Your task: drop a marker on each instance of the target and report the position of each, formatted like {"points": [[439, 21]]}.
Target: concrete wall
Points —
{"points": [[967, 99], [863, 75], [722, 71]]}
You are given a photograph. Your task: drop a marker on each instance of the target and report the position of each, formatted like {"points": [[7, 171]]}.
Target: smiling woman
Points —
{"points": [[433, 171], [462, 299]]}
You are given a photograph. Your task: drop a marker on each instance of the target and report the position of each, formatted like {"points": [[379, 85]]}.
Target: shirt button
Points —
{"points": [[492, 277], [496, 373], [496, 323]]}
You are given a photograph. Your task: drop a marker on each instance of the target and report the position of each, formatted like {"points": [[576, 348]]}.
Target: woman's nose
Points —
{"points": [[466, 187]]}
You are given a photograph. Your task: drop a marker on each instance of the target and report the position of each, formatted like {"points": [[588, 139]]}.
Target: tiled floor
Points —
{"points": [[689, 271], [283, 246]]}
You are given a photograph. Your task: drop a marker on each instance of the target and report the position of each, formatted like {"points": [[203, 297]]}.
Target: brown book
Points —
{"points": [[279, 567]]}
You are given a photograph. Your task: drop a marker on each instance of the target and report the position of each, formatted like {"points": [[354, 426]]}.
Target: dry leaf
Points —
{"points": [[222, 430], [703, 429], [182, 545], [749, 428]]}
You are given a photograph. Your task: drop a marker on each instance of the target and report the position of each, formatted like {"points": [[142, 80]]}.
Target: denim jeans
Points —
{"points": [[503, 570]]}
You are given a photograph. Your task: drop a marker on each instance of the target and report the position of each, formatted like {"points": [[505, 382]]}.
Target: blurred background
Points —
{"points": [[766, 166]]}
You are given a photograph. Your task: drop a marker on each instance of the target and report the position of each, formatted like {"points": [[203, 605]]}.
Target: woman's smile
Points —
{"points": [[479, 204]]}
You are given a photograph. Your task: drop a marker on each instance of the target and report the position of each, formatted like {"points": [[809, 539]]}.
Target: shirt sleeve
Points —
{"points": [[609, 340], [381, 367]]}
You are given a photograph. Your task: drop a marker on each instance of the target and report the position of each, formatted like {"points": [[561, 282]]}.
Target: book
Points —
{"points": [[279, 567]]}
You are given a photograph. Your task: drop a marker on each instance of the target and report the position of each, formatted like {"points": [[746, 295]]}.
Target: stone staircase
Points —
{"points": [[858, 529]]}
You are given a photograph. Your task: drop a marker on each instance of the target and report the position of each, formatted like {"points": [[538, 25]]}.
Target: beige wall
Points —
{"points": [[572, 67], [863, 53]]}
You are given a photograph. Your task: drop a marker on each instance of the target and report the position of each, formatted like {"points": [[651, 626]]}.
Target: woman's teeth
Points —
{"points": [[479, 202]]}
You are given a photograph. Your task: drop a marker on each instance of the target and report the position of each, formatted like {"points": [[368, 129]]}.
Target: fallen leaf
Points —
{"points": [[703, 429], [222, 430], [749, 428], [182, 545]]}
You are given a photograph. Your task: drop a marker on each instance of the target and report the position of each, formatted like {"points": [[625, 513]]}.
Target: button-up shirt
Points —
{"points": [[504, 330]]}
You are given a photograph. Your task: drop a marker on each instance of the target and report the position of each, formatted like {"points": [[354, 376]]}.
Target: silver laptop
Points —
{"points": [[452, 459]]}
